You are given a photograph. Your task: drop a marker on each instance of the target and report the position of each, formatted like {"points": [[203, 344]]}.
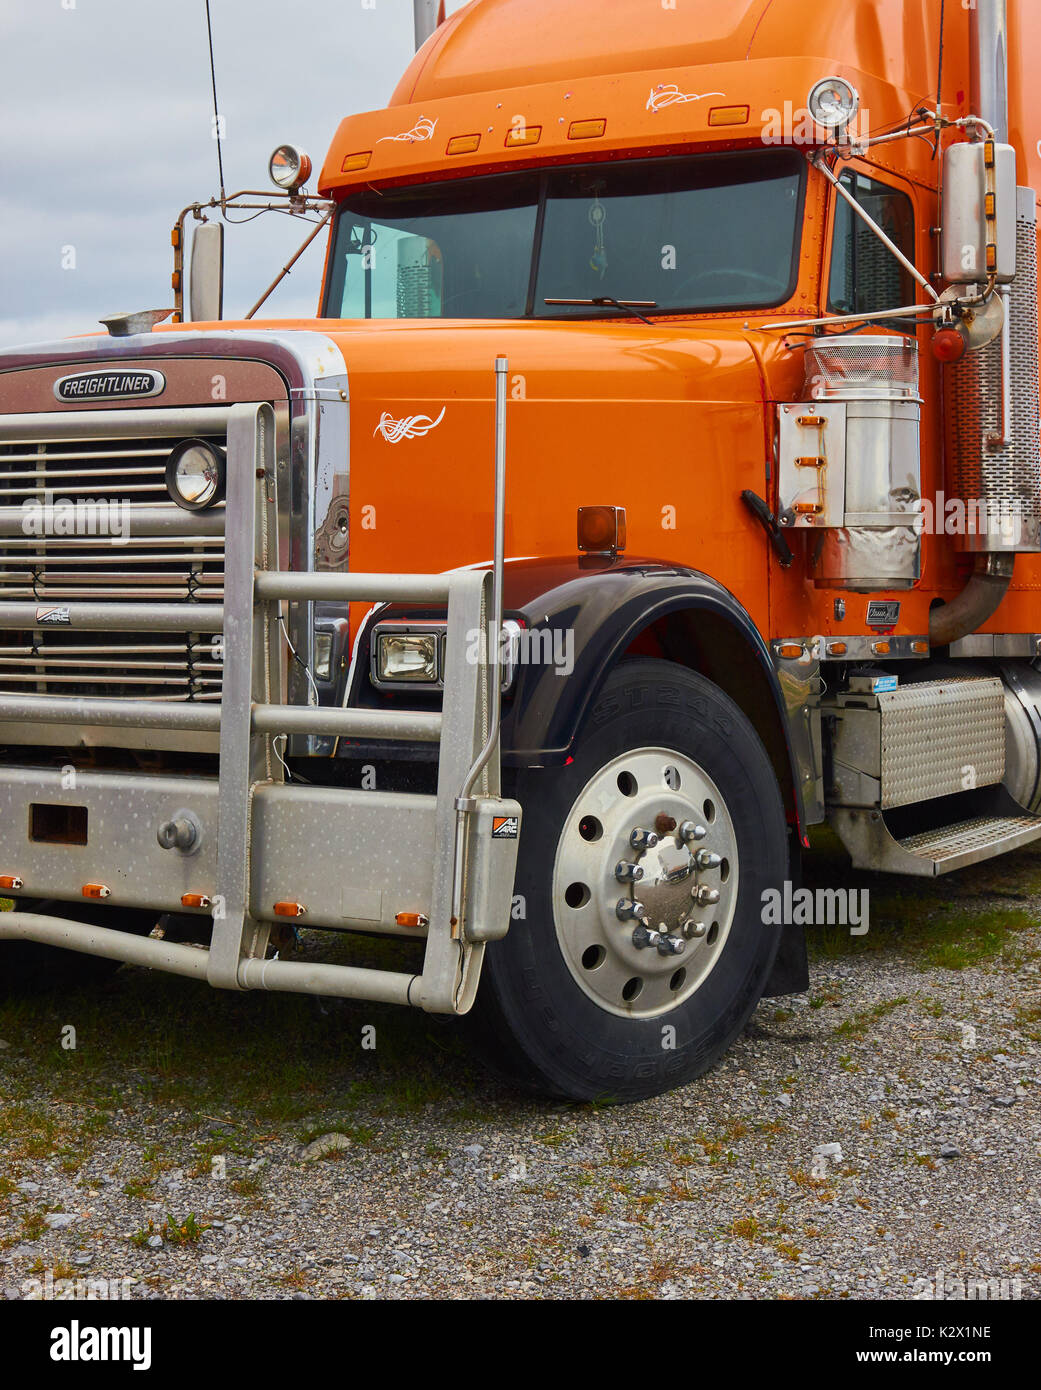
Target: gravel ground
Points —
{"points": [[864, 1140]]}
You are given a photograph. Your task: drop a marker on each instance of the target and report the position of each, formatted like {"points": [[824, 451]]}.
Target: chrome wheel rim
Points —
{"points": [[645, 882]]}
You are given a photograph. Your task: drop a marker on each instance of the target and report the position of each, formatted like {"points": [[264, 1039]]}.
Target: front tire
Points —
{"points": [[589, 997]]}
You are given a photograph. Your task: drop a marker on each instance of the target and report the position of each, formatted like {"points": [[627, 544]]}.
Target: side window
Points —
{"points": [[865, 275]]}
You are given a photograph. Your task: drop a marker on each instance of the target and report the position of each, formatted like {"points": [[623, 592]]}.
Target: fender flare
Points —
{"points": [[591, 610]]}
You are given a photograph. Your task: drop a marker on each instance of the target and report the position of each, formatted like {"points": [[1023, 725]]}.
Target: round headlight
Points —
{"points": [[195, 474], [289, 168], [834, 102]]}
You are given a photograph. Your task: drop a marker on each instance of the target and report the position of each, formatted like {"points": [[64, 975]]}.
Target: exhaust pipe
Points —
{"points": [[988, 56], [428, 15], [979, 600], [988, 43]]}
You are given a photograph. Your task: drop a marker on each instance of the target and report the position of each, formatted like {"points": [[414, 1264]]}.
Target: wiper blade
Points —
{"points": [[604, 302]]}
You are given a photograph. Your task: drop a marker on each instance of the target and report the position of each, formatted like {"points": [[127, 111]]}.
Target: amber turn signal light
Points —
{"points": [[601, 529]]}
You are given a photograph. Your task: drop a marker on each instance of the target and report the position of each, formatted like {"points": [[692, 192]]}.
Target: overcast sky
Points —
{"points": [[106, 115]]}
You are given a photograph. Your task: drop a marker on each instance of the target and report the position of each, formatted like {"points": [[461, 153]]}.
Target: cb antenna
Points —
{"points": [[216, 109]]}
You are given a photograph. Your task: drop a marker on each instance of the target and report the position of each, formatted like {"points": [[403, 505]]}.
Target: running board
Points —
{"points": [[940, 850]]}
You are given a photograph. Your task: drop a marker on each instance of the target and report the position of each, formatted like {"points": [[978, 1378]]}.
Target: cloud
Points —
{"points": [[106, 111]]}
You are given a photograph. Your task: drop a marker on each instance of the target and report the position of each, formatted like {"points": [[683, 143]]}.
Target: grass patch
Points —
{"points": [[858, 1024], [958, 939]]}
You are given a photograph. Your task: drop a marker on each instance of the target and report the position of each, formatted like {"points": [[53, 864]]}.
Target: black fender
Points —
{"points": [[593, 610]]}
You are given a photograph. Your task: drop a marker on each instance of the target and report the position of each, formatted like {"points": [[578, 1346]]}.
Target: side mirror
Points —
{"points": [[979, 227], [206, 279]]}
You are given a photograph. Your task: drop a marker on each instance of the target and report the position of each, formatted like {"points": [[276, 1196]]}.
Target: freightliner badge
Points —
{"points": [[121, 385]]}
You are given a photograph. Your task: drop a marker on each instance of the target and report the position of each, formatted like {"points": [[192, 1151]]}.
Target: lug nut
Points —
{"points": [[670, 945], [629, 911], [643, 839], [702, 894], [692, 930], [690, 830], [625, 872], [705, 859], [645, 938]]}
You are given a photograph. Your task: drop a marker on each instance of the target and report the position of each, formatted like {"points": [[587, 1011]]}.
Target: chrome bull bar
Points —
{"points": [[348, 858]]}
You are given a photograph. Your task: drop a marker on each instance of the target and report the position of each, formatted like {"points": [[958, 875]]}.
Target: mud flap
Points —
{"points": [[791, 968]]}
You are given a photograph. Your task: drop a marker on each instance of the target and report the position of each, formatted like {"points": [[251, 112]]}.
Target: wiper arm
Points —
{"points": [[604, 302]]}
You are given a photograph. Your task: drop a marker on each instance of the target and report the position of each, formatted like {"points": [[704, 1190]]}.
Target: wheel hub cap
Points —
{"points": [[645, 882]]}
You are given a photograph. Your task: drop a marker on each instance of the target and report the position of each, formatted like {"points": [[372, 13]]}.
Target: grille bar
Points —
{"points": [[162, 556]]}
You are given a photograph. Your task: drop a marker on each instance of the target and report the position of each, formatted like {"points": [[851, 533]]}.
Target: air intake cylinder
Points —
{"points": [[850, 462]]}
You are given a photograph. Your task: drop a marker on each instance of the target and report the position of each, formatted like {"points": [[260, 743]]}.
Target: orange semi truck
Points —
{"points": [[658, 479]]}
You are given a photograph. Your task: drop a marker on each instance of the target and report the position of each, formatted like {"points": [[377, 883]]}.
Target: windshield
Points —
{"points": [[711, 233]]}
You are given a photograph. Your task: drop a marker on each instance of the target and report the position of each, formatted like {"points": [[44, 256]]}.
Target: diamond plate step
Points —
{"points": [[929, 853], [971, 841]]}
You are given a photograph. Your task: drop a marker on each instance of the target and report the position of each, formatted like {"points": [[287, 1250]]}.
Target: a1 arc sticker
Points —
{"points": [[505, 828], [50, 616]]}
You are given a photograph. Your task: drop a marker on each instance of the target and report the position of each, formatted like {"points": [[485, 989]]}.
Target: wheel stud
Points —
{"points": [[694, 931], [702, 894], [629, 911], [643, 839], [705, 859], [690, 830]]}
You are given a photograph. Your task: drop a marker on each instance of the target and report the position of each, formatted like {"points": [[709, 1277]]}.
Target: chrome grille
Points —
{"points": [[57, 568]]}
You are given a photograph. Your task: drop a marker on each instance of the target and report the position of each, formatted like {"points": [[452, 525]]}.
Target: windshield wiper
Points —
{"points": [[604, 302]]}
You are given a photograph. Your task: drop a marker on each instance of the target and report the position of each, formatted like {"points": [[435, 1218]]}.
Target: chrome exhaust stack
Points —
{"points": [[991, 396]]}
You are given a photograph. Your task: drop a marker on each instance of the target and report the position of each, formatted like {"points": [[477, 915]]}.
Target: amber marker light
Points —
{"points": [[791, 651], [881, 648], [10, 883], [463, 144], [586, 130], [524, 135], [194, 900], [729, 115], [837, 649], [412, 919], [289, 909], [96, 890], [601, 529]]}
